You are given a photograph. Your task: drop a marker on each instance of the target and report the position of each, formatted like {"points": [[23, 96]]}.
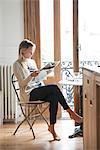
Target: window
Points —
{"points": [[46, 31], [66, 30], [89, 30]]}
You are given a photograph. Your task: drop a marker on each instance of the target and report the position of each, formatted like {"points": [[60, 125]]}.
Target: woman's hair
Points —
{"points": [[24, 45]]}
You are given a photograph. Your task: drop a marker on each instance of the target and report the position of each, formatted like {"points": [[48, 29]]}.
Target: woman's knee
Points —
{"points": [[55, 87]]}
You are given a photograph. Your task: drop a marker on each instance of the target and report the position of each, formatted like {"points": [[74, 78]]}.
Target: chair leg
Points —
{"points": [[31, 128], [26, 119], [29, 125], [18, 126], [41, 114], [33, 122]]}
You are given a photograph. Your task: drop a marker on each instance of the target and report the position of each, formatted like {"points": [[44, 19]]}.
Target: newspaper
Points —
{"points": [[43, 71], [50, 65]]}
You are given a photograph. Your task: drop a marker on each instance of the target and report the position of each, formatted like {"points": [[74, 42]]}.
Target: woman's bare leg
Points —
{"points": [[52, 131], [75, 116]]}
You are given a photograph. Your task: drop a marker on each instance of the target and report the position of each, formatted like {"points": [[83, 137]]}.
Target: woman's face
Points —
{"points": [[27, 53]]}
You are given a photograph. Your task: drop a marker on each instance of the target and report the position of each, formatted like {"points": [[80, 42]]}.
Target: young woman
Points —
{"points": [[31, 88]]}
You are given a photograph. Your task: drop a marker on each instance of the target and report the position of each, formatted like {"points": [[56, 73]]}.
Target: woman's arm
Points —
{"points": [[23, 75]]}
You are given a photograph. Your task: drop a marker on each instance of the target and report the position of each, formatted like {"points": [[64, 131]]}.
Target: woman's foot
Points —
{"points": [[52, 131], [75, 116]]}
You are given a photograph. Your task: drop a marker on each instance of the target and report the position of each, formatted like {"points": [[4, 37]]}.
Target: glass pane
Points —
{"points": [[46, 31], [89, 30], [66, 30], [66, 10]]}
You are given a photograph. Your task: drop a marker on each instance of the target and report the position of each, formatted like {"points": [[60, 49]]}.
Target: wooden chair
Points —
{"points": [[35, 112]]}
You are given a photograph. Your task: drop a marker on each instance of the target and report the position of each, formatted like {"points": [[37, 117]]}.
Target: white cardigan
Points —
{"points": [[26, 82]]}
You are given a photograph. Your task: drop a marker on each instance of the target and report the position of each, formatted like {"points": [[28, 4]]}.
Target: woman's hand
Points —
{"points": [[49, 71], [35, 73]]}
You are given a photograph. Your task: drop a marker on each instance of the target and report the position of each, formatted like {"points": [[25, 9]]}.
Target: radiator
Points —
{"points": [[8, 95]]}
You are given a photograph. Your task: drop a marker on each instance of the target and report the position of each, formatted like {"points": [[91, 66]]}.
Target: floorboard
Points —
{"points": [[23, 138]]}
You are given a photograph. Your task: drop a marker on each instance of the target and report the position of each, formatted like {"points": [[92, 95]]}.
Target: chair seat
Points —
{"points": [[32, 102]]}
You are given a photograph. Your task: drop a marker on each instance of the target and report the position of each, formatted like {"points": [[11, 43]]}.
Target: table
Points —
{"points": [[75, 82]]}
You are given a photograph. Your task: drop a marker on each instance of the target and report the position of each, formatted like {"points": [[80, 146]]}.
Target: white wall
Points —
{"points": [[11, 29], [11, 34]]}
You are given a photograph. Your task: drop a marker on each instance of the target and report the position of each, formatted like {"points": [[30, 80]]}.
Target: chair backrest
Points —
{"points": [[15, 86]]}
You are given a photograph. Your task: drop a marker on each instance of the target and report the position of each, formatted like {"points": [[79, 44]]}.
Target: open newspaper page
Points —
{"points": [[43, 71], [50, 65]]}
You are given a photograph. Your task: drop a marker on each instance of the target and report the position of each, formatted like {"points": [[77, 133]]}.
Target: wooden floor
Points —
{"points": [[23, 139]]}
